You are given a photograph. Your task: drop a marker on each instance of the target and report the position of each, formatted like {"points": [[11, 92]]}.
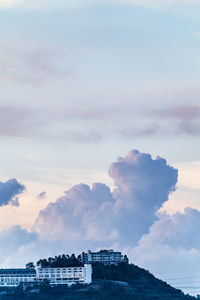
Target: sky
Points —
{"points": [[99, 108]]}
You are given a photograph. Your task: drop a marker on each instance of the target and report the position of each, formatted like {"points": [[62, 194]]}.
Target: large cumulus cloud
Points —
{"points": [[96, 217], [142, 185], [82, 214], [9, 191]]}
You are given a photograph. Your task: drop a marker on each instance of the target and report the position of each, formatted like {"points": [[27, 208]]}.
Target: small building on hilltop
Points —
{"points": [[106, 257]]}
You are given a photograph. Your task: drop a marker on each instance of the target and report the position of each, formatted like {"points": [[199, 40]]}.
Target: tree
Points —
{"points": [[125, 259], [30, 265]]}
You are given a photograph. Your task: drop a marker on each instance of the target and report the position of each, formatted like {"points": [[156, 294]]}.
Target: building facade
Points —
{"points": [[13, 277], [55, 276], [106, 257], [68, 275]]}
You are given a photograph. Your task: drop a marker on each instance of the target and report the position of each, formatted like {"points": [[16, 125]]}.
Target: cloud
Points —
{"points": [[95, 216], [18, 246], [171, 122], [8, 192], [174, 241], [178, 120], [17, 122], [142, 185], [14, 238], [31, 64], [174, 230], [78, 215], [41, 195], [15, 202], [86, 126]]}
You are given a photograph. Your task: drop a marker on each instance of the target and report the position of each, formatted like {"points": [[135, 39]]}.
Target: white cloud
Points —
{"points": [[174, 245], [92, 215]]}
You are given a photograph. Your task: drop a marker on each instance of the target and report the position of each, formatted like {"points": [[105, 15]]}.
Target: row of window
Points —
{"points": [[17, 276], [17, 281], [53, 280], [59, 272], [61, 269], [105, 257], [59, 276]]}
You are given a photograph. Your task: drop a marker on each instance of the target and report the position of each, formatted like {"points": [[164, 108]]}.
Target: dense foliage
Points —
{"points": [[64, 260], [141, 280]]}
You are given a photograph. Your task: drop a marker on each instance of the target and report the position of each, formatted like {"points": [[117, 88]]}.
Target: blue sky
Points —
{"points": [[84, 82]]}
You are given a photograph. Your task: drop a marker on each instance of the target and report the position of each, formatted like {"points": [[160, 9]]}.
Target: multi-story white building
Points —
{"points": [[68, 275], [106, 257], [55, 276], [13, 277]]}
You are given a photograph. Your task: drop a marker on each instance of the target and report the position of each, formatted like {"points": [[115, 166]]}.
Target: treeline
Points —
{"points": [[59, 261]]}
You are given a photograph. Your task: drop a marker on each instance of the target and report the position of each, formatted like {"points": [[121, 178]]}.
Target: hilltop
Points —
{"points": [[122, 281]]}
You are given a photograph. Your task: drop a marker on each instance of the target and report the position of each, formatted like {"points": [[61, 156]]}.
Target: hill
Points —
{"points": [[141, 283], [123, 281]]}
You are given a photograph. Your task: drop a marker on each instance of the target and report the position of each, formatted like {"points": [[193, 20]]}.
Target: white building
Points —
{"points": [[106, 257], [13, 277], [67, 275], [55, 276]]}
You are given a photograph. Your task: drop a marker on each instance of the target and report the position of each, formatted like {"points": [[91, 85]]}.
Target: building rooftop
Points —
{"points": [[110, 251], [17, 271]]}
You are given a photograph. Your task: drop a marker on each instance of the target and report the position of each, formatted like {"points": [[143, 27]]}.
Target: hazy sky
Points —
{"points": [[83, 82]]}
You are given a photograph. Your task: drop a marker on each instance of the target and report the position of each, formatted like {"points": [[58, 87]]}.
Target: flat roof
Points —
{"points": [[17, 271], [111, 252]]}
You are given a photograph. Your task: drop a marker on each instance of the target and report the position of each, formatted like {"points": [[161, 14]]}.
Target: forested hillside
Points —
{"points": [[123, 281]]}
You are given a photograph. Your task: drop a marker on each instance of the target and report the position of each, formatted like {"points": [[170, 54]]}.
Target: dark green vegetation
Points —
{"points": [[124, 281], [64, 260], [60, 261]]}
